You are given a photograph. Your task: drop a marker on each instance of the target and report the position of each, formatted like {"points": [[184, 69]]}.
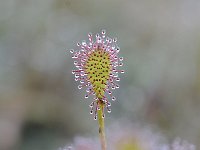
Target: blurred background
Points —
{"points": [[41, 107]]}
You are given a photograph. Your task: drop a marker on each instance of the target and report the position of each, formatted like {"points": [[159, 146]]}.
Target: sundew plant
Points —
{"points": [[97, 62]]}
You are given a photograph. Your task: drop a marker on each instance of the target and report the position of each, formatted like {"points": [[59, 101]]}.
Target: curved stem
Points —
{"points": [[101, 127]]}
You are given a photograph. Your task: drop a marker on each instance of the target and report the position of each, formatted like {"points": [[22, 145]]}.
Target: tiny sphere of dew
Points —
{"points": [[71, 51], [113, 98], [103, 31], [79, 86]]}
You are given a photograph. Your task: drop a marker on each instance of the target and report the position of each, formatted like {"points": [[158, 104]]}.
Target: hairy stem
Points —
{"points": [[101, 127]]}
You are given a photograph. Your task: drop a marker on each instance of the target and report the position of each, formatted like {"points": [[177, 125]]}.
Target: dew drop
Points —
{"points": [[76, 75], [82, 74], [115, 39], [107, 39], [91, 112], [82, 81], [90, 34], [108, 104], [75, 62], [82, 60], [109, 92], [117, 79], [84, 43], [116, 75], [91, 105], [113, 87], [71, 51], [121, 58], [113, 98], [103, 116], [75, 56], [120, 64], [94, 46], [122, 71], [73, 71], [76, 79], [118, 49], [95, 117], [109, 110], [117, 86], [99, 40], [103, 31], [88, 90], [97, 35], [86, 96], [78, 44], [80, 86], [103, 99]]}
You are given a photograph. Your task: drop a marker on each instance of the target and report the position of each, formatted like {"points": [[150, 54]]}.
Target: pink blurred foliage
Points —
{"points": [[131, 137]]}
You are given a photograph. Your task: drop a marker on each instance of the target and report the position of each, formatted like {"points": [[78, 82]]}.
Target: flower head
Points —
{"points": [[96, 62], [132, 137], [179, 144]]}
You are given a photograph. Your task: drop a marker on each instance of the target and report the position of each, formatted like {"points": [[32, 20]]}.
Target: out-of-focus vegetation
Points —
{"points": [[40, 105]]}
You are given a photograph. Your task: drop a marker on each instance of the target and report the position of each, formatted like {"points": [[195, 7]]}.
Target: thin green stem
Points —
{"points": [[102, 135]]}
